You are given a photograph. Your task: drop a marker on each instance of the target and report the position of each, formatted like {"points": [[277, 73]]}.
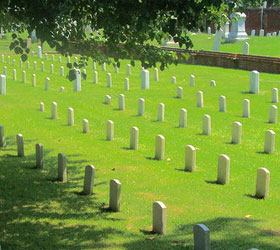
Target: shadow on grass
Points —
{"points": [[225, 233], [261, 152], [246, 93]]}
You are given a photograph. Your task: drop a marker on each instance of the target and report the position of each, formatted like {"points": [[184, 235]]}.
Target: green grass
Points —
{"points": [[39, 213], [259, 46]]}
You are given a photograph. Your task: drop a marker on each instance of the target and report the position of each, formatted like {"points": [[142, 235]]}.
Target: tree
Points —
{"points": [[120, 28]]}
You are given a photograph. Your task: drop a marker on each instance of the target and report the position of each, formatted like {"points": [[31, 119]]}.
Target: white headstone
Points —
{"points": [[201, 235], [156, 78], [46, 56], [70, 117], [273, 114], [93, 65], [236, 133], [213, 83], [126, 83], [206, 125], [173, 79], [159, 217], [5, 71], [269, 141], [141, 107], [209, 30], [245, 48], [104, 67], [39, 155], [61, 71], [115, 195], [237, 30], [199, 99], [218, 39], [109, 80], [160, 147], [145, 79], [246, 108], [42, 67], [42, 107], [34, 65], [261, 34], [47, 83], [222, 104], [190, 158], [121, 102], [77, 81], [33, 80], [262, 183], [254, 82], [161, 112], [134, 138], [39, 52], [2, 85], [89, 180], [223, 169], [23, 77], [108, 99], [110, 131], [274, 97], [180, 92], [253, 32], [54, 110], [62, 169], [14, 74], [183, 118], [52, 69], [85, 126], [20, 145], [128, 69], [2, 137]]}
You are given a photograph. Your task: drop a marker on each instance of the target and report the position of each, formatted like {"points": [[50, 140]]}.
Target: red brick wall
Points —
{"points": [[271, 20]]}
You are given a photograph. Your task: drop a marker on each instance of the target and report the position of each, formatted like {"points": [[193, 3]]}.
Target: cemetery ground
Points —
{"points": [[259, 46], [37, 212]]}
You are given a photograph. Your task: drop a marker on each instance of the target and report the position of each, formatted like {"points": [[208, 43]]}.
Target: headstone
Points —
{"points": [[42, 67], [180, 92], [160, 147], [206, 125], [253, 32], [156, 78], [2, 85], [117, 70], [141, 106], [159, 217], [76, 59], [115, 195], [236, 133], [23, 77], [20, 63], [85, 126], [274, 97], [42, 107], [70, 117], [274, 34], [89, 179], [109, 80], [126, 84], [262, 183], [246, 108], [161, 112], [273, 114], [2, 58], [52, 69], [218, 39], [245, 48], [209, 32], [33, 53], [261, 34], [33, 36], [20, 145], [201, 236], [279, 33], [28, 42], [14, 74], [68, 59], [110, 131], [47, 83], [226, 30], [62, 169], [254, 82], [14, 62], [183, 118], [33, 80], [222, 104], [190, 158], [28, 65], [108, 99], [104, 67], [237, 30], [128, 69], [54, 110], [39, 52], [93, 65], [61, 71], [269, 141], [77, 81], [2, 137], [121, 102], [39, 156], [134, 138], [61, 89], [34, 65], [8, 59], [5, 71], [46, 56], [268, 34], [213, 83], [59, 59], [95, 77], [199, 99], [223, 169], [145, 79], [173, 79]]}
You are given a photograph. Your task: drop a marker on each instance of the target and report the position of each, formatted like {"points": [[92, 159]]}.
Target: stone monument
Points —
{"points": [[237, 30]]}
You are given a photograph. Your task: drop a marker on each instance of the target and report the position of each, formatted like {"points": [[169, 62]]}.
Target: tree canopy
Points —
{"points": [[119, 28]]}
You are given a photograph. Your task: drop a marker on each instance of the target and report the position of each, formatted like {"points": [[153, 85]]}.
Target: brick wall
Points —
{"points": [[271, 20]]}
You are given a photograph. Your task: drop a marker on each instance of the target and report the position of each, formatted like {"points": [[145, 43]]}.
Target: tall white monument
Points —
{"points": [[237, 30]]}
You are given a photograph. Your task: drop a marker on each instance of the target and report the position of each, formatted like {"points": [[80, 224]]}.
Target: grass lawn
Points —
{"points": [[40, 213], [259, 46]]}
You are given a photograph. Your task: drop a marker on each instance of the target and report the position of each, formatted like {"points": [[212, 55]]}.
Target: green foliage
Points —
{"points": [[112, 30]]}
